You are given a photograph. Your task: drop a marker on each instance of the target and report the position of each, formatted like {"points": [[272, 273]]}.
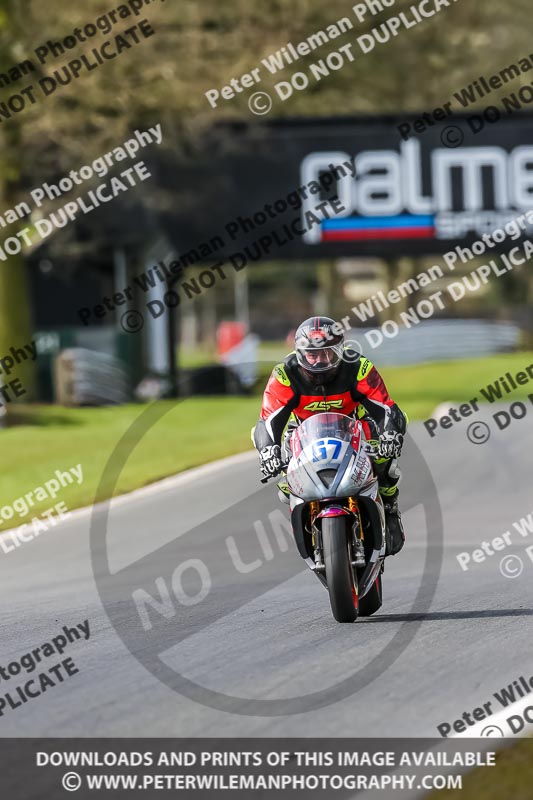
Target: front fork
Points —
{"points": [[316, 537], [351, 509]]}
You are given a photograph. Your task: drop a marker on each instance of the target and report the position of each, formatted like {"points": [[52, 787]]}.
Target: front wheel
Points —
{"points": [[340, 575]]}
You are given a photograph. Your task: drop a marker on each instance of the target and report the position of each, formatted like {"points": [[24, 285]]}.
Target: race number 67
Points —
{"points": [[319, 449]]}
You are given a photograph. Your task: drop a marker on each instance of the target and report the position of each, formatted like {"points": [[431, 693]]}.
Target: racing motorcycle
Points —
{"points": [[337, 514]]}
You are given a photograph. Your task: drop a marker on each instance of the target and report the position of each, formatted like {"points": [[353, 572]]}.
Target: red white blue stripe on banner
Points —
{"points": [[403, 226]]}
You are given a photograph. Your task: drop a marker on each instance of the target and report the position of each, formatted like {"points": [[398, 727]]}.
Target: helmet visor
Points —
{"points": [[319, 359]]}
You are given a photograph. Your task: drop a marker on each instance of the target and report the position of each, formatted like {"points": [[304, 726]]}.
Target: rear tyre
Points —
{"points": [[341, 578], [372, 601]]}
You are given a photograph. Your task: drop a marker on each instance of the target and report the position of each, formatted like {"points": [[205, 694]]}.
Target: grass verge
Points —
{"points": [[512, 777]]}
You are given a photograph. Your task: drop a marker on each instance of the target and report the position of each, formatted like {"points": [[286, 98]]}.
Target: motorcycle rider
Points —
{"points": [[321, 374]]}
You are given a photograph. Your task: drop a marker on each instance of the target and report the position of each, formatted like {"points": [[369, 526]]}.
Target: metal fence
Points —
{"points": [[438, 340]]}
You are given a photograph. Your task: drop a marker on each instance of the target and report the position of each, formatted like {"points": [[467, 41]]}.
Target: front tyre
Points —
{"points": [[340, 575]]}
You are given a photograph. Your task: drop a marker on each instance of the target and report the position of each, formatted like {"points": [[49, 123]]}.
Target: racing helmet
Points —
{"points": [[318, 348]]}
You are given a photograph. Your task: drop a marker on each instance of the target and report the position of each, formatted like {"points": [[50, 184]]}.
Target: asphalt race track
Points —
{"points": [[264, 634]]}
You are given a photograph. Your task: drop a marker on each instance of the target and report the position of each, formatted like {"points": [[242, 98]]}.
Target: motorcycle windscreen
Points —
{"points": [[324, 426]]}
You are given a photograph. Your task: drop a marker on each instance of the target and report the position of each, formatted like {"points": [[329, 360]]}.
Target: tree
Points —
{"points": [[15, 314]]}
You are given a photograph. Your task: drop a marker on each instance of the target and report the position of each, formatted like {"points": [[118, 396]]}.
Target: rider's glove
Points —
{"points": [[390, 445], [270, 460]]}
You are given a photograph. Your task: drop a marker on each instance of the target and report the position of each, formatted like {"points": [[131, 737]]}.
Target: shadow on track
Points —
{"points": [[444, 615]]}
